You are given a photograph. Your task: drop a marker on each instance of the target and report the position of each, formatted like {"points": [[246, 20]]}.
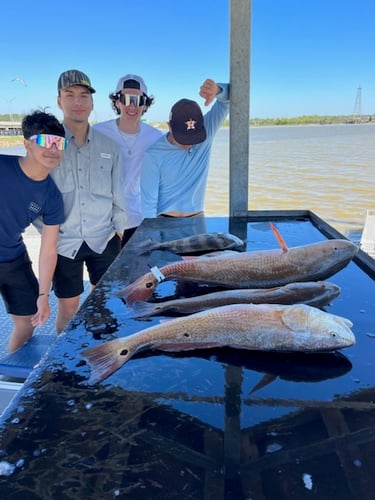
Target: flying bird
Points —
{"points": [[19, 79]]}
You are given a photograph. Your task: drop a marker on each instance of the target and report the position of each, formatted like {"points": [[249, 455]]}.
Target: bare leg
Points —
{"points": [[21, 333], [66, 310]]}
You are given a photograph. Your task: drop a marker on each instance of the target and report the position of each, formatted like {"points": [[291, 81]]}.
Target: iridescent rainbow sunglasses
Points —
{"points": [[48, 140]]}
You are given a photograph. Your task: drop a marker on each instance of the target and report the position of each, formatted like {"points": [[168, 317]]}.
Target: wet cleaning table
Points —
{"points": [[218, 423]]}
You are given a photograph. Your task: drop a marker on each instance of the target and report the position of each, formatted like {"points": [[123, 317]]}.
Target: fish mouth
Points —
{"points": [[345, 338], [347, 248], [343, 343], [337, 259]]}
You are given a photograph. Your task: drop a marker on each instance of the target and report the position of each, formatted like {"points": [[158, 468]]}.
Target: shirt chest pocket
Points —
{"points": [[101, 177], [64, 180]]}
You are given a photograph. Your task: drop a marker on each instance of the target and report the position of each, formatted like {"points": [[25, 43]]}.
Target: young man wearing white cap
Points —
{"points": [[90, 179], [175, 168], [130, 101]]}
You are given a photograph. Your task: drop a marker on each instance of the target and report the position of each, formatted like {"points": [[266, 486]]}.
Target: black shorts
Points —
{"points": [[68, 277], [128, 233], [19, 286]]}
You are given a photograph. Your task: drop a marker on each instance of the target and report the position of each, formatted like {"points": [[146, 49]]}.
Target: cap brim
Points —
{"points": [[187, 139], [92, 90]]}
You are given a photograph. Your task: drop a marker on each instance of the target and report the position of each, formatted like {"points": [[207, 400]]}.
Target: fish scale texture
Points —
{"points": [[266, 327]]}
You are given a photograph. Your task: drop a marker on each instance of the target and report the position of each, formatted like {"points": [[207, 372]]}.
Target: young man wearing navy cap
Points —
{"points": [[91, 180], [175, 168]]}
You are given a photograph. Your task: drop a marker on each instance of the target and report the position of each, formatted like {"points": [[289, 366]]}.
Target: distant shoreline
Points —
{"points": [[17, 140], [295, 120], [10, 140]]}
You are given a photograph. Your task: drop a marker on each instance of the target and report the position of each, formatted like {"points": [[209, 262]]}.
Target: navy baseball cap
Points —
{"points": [[186, 122]]}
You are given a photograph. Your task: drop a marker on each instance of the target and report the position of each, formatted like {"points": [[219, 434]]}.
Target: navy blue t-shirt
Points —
{"points": [[21, 201]]}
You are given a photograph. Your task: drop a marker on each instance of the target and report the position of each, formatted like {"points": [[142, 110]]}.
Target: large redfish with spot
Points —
{"points": [[265, 327], [257, 269]]}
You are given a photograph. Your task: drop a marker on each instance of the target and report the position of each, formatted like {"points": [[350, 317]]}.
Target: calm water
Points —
{"points": [[326, 168]]}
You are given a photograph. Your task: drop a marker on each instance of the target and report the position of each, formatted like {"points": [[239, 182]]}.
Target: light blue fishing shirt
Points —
{"points": [[173, 179], [91, 181]]}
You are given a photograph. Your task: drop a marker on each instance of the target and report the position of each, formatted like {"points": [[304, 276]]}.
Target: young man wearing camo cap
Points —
{"points": [[91, 180]]}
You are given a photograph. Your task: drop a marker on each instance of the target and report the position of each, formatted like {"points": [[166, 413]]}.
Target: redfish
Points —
{"points": [[257, 269], [313, 293], [265, 327]]}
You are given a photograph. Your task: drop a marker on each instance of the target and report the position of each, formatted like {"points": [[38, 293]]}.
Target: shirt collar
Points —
{"points": [[69, 136]]}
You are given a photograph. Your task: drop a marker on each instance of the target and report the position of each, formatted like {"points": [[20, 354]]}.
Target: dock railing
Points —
{"points": [[367, 242]]}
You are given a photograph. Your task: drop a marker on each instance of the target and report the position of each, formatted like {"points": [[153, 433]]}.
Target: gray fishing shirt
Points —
{"points": [[90, 179]]}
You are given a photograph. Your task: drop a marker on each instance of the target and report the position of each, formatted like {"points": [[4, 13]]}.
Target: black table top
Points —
{"points": [[212, 423]]}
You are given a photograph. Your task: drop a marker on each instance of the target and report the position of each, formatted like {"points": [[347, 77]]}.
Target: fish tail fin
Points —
{"points": [[105, 359], [128, 292], [143, 309], [279, 238], [146, 246], [136, 291], [265, 380]]}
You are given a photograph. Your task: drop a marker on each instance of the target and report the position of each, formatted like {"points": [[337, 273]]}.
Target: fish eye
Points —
{"points": [[333, 334], [149, 284]]}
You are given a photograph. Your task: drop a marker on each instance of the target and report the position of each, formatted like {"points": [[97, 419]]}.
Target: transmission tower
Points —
{"points": [[357, 111]]}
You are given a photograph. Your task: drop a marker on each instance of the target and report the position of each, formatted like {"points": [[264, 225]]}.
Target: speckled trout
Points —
{"points": [[312, 293], [202, 242], [256, 269], [265, 327]]}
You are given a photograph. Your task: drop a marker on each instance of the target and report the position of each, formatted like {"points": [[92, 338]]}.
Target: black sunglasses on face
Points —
{"points": [[136, 100]]}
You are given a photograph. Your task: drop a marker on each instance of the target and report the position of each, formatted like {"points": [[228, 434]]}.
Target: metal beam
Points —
{"points": [[240, 26]]}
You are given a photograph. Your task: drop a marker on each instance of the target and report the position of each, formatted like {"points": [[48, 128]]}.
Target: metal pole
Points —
{"points": [[240, 26]]}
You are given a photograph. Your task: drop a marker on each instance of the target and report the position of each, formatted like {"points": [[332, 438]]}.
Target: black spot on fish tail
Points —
{"points": [[103, 359]]}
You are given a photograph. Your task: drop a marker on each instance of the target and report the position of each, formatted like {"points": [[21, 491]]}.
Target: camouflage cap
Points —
{"points": [[74, 77]]}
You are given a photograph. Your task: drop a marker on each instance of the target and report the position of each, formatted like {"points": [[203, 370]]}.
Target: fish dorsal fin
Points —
{"points": [[263, 382], [279, 238]]}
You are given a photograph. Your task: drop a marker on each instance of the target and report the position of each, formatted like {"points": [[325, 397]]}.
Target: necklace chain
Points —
{"points": [[129, 145]]}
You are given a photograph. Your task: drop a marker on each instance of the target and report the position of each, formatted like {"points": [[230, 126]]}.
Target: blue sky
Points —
{"points": [[307, 57]]}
